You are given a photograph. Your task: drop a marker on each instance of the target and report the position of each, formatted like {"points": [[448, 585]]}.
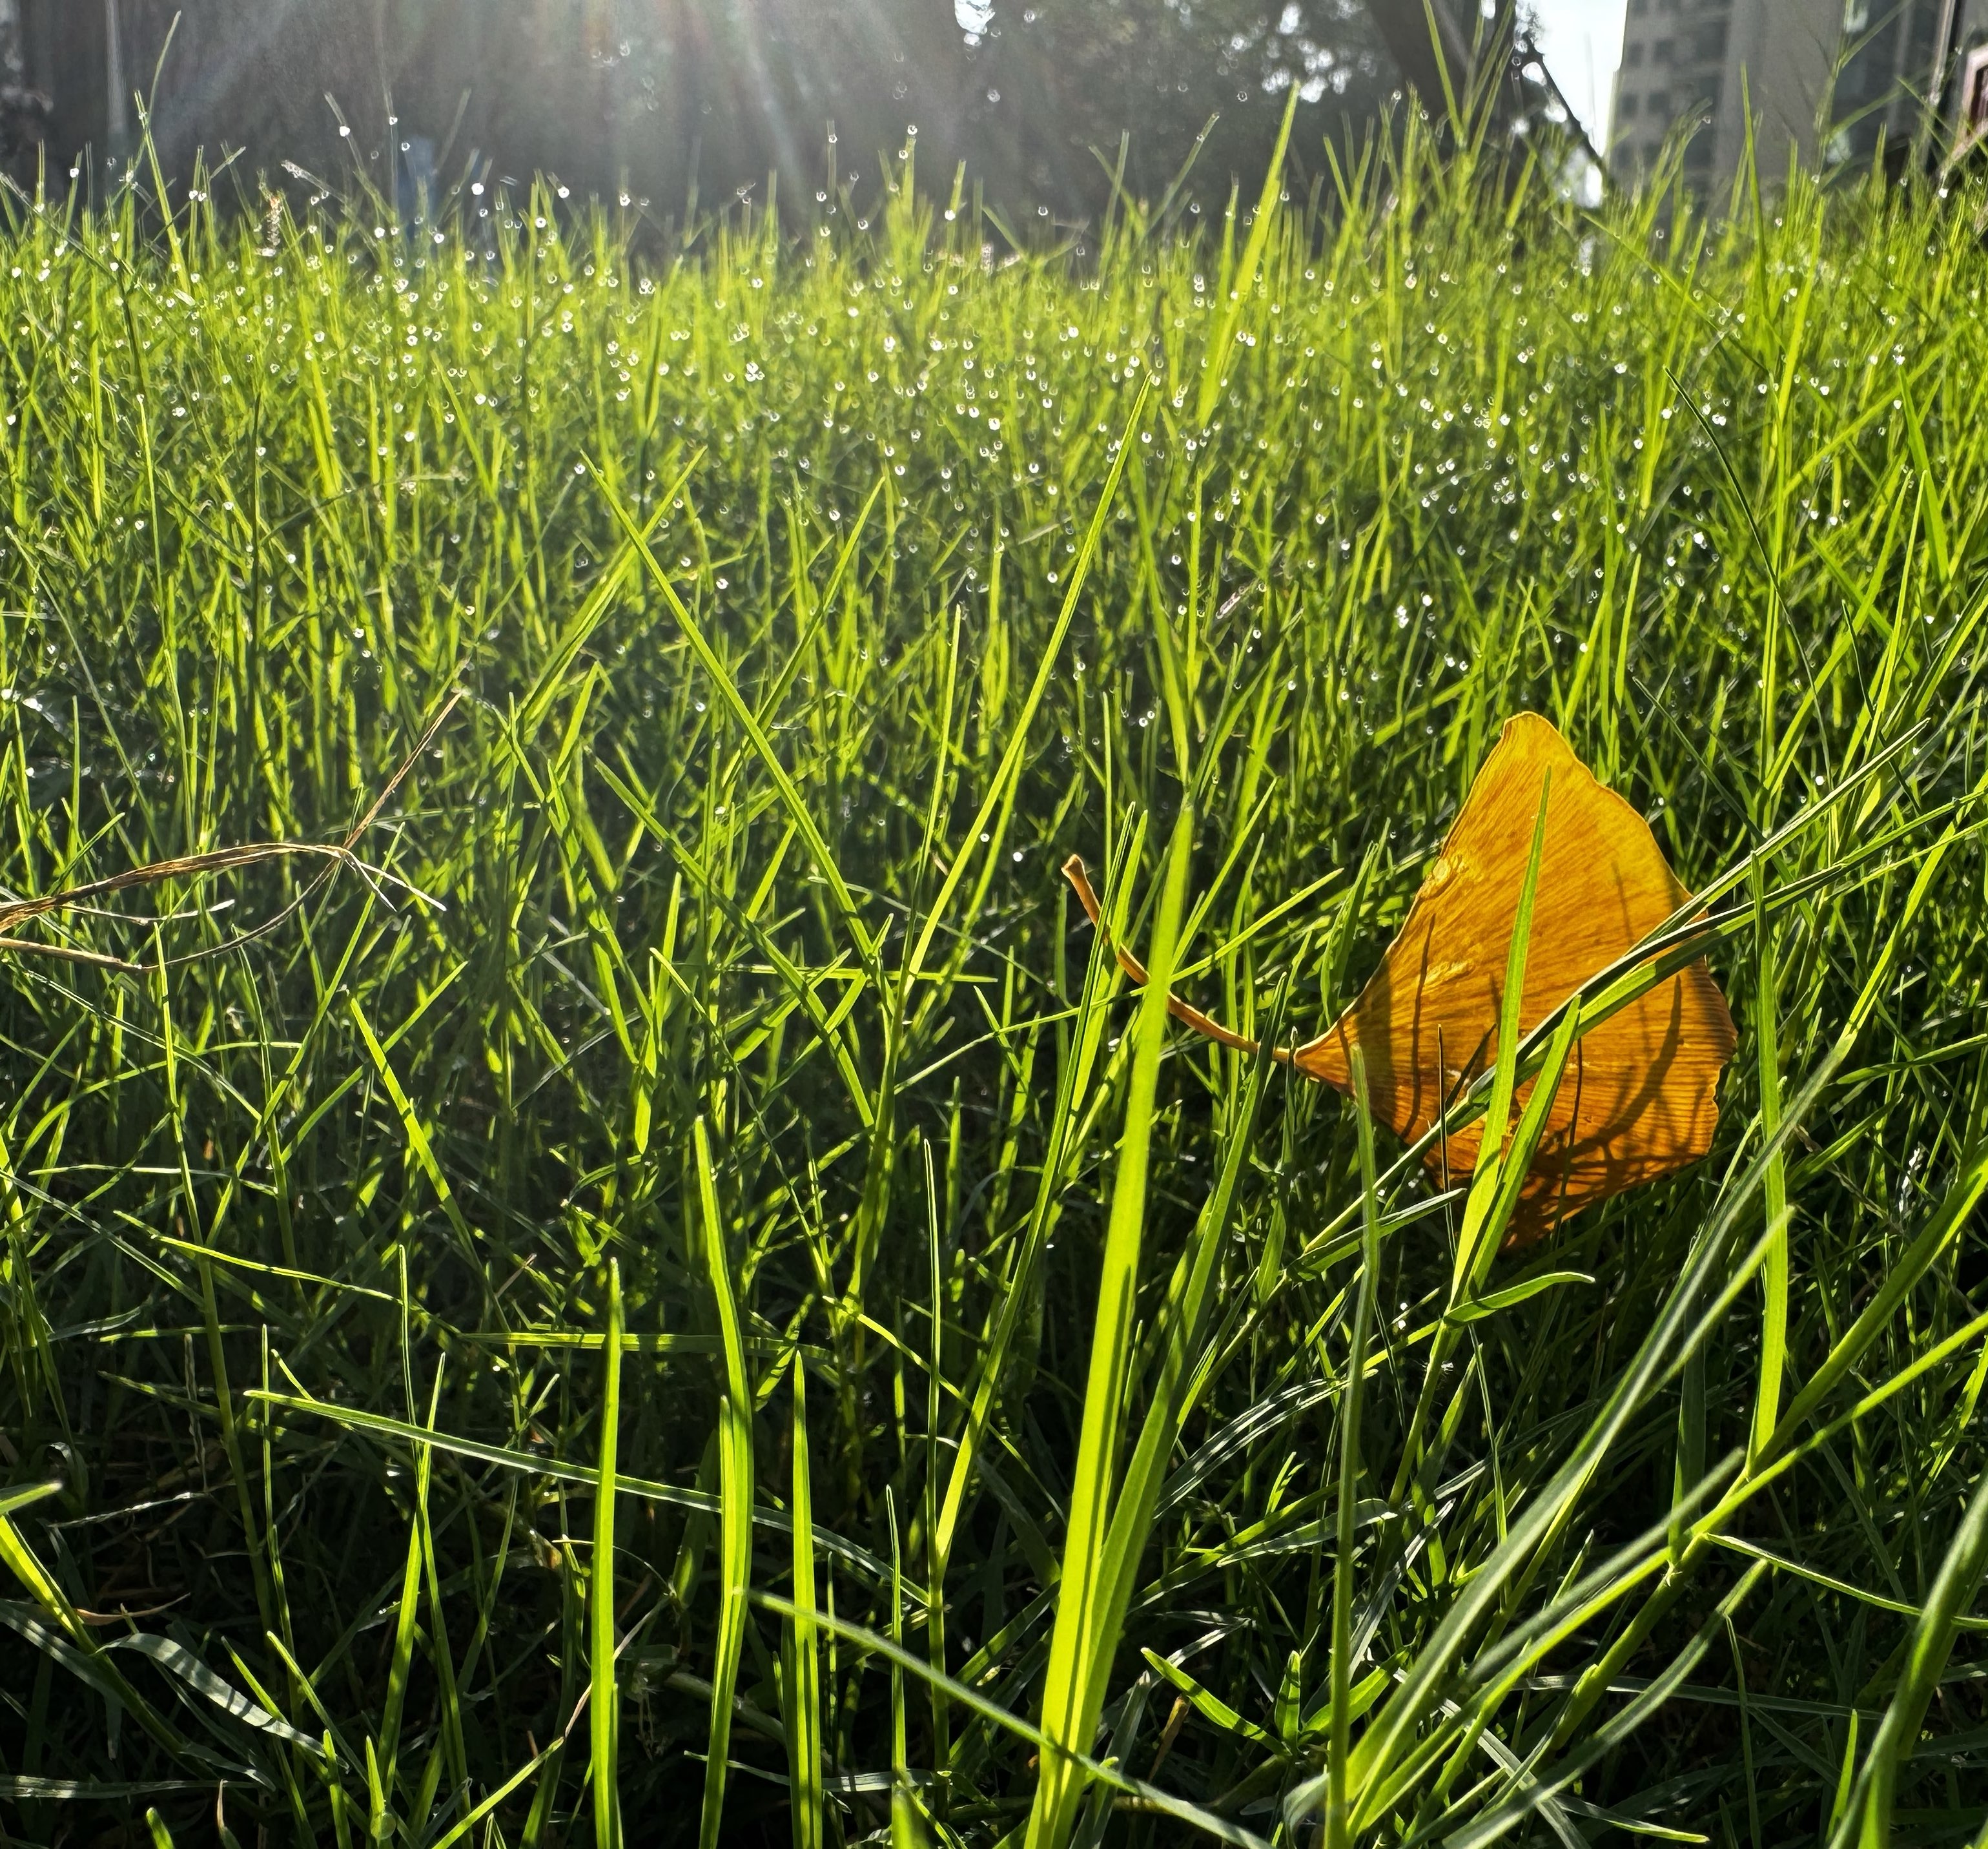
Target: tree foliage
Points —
{"points": [[689, 102]]}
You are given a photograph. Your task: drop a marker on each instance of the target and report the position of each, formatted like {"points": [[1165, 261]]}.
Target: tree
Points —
{"points": [[1074, 76], [705, 100]]}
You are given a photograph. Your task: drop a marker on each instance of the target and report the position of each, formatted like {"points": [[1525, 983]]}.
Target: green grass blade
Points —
{"points": [[734, 1473], [604, 1682], [1164, 1803], [1931, 1645], [802, 1690], [1774, 1198], [1243, 280], [1484, 1186], [1340, 1790], [1073, 1688], [1182, 1330], [1001, 784], [727, 691]]}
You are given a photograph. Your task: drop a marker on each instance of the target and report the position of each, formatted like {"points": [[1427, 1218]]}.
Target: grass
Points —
{"points": [[693, 1301]]}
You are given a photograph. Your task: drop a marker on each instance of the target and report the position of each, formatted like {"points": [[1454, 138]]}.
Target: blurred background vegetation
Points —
{"points": [[691, 103]]}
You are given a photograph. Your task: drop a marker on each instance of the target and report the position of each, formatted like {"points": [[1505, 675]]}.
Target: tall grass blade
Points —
{"points": [[801, 1688], [1340, 1792], [1079, 1659], [604, 1683], [1927, 1651], [734, 1477]]}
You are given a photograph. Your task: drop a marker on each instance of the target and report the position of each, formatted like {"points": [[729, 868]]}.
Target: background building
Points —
{"points": [[1837, 80], [1964, 97]]}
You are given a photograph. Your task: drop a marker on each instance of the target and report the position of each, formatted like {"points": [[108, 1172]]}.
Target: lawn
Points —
{"points": [[609, 1302]]}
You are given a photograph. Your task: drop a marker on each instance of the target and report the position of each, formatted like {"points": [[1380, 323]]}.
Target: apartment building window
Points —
{"points": [[1627, 107], [1636, 56], [1665, 52], [1973, 101]]}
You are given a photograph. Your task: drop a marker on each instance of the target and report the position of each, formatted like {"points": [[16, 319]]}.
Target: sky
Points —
{"points": [[1581, 40]]}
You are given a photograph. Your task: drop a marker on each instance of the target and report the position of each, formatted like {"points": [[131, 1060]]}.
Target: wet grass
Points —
{"points": [[693, 1302]]}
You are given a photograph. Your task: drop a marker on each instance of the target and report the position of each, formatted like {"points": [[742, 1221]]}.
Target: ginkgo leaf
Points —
{"points": [[1638, 1100]]}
